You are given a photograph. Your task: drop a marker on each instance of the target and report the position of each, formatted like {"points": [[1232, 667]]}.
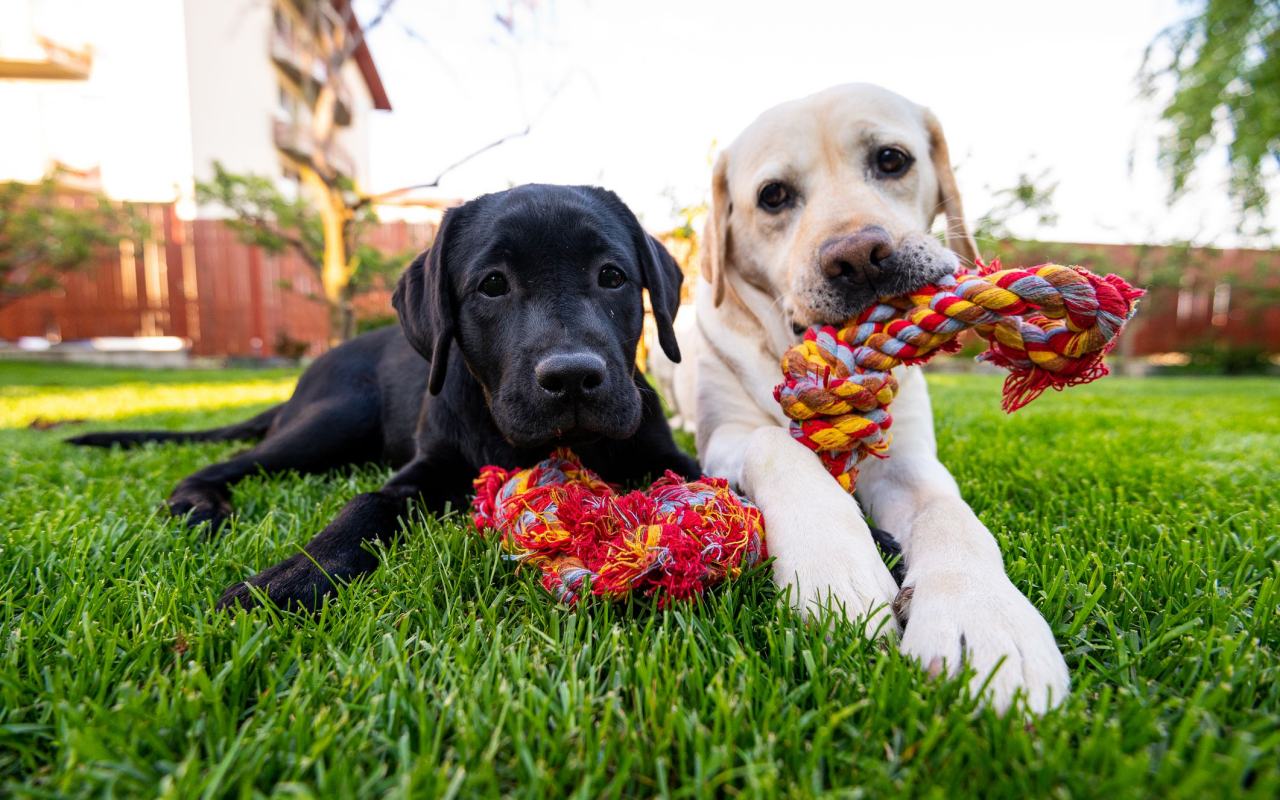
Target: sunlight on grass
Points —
{"points": [[19, 406]]}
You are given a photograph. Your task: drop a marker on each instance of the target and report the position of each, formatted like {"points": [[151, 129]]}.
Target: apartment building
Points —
{"points": [[138, 99]]}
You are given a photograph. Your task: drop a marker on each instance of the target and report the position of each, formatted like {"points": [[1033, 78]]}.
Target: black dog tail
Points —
{"points": [[254, 428]]}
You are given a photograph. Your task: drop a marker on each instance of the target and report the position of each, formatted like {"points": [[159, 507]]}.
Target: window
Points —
{"points": [[281, 21], [1186, 304], [286, 104], [1221, 304]]}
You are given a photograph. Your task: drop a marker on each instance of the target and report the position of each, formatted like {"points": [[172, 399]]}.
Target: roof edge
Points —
{"points": [[364, 59]]}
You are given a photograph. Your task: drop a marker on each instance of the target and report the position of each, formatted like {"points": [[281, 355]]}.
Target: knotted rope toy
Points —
{"points": [[672, 541], [1050, 326]]}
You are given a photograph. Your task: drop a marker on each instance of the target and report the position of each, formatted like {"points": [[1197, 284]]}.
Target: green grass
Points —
{"points": [[1140, 517]]}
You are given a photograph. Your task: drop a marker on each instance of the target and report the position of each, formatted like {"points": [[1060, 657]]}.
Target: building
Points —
{"points": [[138, 99], [150, 93]]}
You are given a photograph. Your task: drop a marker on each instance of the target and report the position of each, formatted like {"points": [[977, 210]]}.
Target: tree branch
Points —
{"points": [[257, 220], [434, 182]]}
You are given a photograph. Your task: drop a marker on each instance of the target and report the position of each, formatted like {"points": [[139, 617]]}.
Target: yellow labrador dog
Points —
{"points": [[820, 206]]}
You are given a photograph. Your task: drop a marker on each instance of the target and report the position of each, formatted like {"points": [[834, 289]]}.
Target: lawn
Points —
{"points": [[1140, 516]]}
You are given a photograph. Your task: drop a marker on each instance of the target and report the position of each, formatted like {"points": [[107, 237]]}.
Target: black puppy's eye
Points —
{"points": [[611, 277], [775, 196], [892, 161], [494, 285]]}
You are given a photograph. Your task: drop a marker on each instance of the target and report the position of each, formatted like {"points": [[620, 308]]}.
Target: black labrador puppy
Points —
{"points": [[527, 310]]}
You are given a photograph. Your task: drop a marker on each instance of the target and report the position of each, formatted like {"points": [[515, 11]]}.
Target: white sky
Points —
{"points": [[648, 89]]}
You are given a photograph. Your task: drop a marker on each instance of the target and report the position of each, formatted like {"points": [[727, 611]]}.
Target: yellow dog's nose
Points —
{"points": [[856, 258]]}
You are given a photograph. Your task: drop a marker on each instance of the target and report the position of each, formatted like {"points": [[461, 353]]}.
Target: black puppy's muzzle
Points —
{"points": [[569, 395], [571, 377]]}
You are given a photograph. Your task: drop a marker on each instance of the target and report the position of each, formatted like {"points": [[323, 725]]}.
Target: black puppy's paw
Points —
{"points": [[686, 467], [295, 584], [199, 505]]}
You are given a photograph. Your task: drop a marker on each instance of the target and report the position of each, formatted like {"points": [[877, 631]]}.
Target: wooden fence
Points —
{"points": [[197, 281]]}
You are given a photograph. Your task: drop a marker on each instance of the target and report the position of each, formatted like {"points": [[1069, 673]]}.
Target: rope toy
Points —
{"points": [[1050, 326], [672, 541]]}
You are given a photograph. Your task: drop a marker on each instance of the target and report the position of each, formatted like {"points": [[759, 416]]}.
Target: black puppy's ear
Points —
{"points": [[424, 302], [661, 274], [662, 277]]}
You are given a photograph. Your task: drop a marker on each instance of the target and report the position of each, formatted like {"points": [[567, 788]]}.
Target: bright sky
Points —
{"points": [[637, 95]]}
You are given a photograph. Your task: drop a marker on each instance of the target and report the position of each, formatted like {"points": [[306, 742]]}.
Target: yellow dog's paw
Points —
{"points": [[983, 622], [841, 579]]}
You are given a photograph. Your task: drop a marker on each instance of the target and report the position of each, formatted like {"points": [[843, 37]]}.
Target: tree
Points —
{"points": [[333, 210], [324, 224], [1029, 196], [262, 215], [47, 231], [1224, 66]]}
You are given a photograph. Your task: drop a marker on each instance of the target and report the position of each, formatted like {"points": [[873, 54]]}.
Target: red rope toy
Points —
{"points": [[672, 541], [1050, 326]]}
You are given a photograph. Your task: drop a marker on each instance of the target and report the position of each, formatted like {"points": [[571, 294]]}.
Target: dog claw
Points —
{"points": [[902, 605]]}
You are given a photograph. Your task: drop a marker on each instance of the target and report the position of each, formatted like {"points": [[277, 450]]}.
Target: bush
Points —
{"points": [[288, 347], [1212, 357], [373, 323]]}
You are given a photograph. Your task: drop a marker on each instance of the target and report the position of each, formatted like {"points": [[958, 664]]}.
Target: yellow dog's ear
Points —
{"points": [[715, 235], [959, 240]]}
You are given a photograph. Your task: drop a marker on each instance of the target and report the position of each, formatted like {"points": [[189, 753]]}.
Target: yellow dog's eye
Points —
{"points": [[775, 196], [892, 161]]}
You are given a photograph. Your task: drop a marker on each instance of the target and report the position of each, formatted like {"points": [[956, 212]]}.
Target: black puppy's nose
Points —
{"points": [[570, 374], [857, 258]]}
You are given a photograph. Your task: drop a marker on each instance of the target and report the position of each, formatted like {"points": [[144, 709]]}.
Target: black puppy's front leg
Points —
{"points": [[340, 552], [679, 462], [653, 448]]}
